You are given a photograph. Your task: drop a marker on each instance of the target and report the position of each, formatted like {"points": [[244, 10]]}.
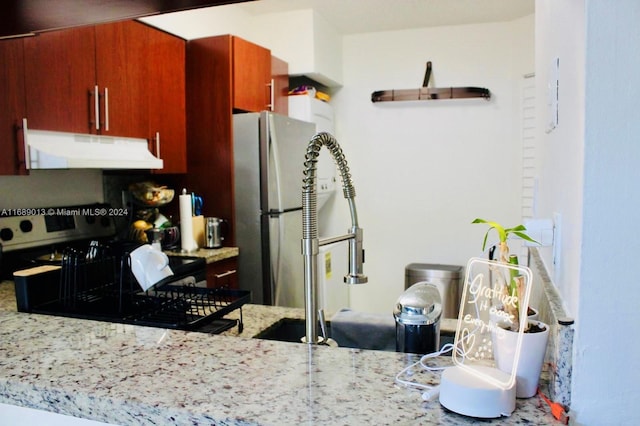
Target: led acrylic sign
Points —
{"points": [[494, 300]]}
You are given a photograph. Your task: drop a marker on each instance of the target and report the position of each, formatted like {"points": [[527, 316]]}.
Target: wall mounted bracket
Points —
{"points": [[425, 93]]}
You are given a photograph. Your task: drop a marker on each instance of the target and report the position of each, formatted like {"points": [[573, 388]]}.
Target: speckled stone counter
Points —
{"points": [[129, 375], [210, 255]]}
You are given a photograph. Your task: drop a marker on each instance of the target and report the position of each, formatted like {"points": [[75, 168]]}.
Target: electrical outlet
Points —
{"points": [[540, 230], [557, 238]]}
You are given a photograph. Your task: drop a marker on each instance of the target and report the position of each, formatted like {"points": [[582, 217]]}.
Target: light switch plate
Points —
{"points": [[540, 230], [553, 88]]}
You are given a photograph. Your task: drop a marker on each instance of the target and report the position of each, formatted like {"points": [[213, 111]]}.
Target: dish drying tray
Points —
{"points": [[188, 307], [97, 285]]}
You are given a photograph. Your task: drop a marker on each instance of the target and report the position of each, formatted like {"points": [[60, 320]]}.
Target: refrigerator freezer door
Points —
{"points": [[269, 154], [246, 133], [286, 142]]}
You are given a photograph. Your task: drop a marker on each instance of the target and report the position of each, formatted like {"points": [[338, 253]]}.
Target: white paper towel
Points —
{"points": [[187, 241]]}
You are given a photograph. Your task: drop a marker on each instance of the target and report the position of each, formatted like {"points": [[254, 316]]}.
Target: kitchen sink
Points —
{"points": [[292, 330]]}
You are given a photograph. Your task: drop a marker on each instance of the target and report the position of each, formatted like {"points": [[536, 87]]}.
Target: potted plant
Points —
{"points": [[514, 285], [534, 340]]}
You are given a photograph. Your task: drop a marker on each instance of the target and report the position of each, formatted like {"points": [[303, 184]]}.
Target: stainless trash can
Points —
{"points": [[447, 278], [417, 314]]}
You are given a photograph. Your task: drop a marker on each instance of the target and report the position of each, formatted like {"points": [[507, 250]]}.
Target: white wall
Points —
{"points": [[561, 151], [424, 170], [304, 39], [589, 174], [203, 22]]}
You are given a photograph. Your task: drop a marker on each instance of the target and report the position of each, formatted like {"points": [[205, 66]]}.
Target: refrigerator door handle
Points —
{"points": [[275, 213], [276, 264], [275, 156], [275, 176]]}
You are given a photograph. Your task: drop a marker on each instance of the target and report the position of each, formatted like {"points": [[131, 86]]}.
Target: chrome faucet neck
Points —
{"points": [[310, 240]]}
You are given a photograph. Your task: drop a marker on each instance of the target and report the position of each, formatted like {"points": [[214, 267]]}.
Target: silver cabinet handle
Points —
{"points": [[272, 96], [96, 101], [25, 143], [106, 109], [225, 274]]}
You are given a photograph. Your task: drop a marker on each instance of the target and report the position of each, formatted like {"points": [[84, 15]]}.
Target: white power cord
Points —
{"points": [[428, 392]]}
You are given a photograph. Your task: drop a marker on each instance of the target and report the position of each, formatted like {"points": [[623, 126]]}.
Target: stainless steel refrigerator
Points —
{"points": [[269, 152]]}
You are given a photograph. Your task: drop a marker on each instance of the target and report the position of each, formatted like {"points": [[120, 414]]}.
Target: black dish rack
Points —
{"points": [[99, 285]]}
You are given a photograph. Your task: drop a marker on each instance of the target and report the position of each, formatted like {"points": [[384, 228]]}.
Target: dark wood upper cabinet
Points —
{"points": [[225, 74], [60, 77], [12, 106], [280, 81], [89, 80], [251, 76], [122, 76], [209, 109], [167, 105], [118, 79]]}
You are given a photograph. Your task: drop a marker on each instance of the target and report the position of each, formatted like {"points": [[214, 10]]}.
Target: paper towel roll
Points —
{"points": [[186, 224]]}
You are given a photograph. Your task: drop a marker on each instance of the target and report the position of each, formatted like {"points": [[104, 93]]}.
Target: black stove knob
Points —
{"points": [[6, 234], [26, 225]]}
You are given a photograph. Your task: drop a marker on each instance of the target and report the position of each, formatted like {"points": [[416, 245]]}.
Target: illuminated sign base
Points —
{"points": [[470, 395], [493, 308]]}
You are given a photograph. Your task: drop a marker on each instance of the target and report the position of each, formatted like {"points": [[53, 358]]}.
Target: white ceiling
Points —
{"points": [[361, 16]]}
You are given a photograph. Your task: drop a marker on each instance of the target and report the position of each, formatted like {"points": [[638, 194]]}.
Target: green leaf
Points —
{"points": [[503, 233], [484, 242], [525, 237]]}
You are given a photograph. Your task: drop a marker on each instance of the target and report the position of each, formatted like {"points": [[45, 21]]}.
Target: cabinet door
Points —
{"points": [[167, 113], [280, 81], [60, 80], [223, 274], [122, 75], [209, 125], [251, 76], [12, 106]]}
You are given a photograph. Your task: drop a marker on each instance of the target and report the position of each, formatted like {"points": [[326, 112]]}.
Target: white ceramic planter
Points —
{"points": [[534, 346]]}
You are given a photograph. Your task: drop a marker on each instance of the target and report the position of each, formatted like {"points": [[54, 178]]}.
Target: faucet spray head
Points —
{"points": [[356, 259]]}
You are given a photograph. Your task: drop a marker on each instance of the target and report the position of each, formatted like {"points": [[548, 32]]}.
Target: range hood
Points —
{"points": [[61, 150]]}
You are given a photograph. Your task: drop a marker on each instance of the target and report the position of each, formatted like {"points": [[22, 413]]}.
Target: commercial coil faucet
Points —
{"points": [[310, 240]]}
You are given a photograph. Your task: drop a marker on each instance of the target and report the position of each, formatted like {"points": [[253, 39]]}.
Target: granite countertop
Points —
{"points": [[131, 375], [210, 255]]}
